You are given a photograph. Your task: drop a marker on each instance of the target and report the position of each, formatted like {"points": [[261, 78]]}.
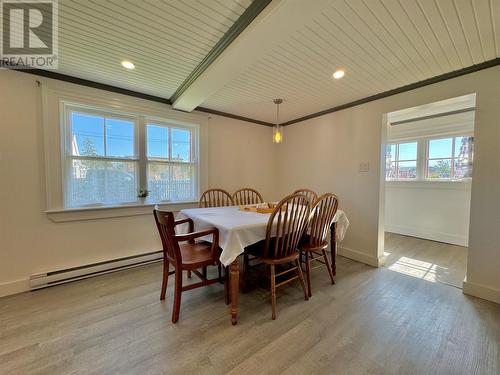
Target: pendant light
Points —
{"points": [[277, 129]]}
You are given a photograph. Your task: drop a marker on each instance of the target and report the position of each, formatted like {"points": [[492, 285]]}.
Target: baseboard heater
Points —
{"points": [[43, 280]]}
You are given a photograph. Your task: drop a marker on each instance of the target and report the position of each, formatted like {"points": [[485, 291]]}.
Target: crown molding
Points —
{"points": [[385, 94]]}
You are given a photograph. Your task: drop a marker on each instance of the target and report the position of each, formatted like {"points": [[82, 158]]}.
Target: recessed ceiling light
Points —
{"points": [[338, 74], [128, 65]]}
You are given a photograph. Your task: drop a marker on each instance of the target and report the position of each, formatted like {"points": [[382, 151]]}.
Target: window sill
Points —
{"points": [[104, 212], [430, 184]]}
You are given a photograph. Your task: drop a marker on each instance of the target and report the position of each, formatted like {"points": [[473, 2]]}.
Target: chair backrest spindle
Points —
{"points": [[216, 198], [247, 196], [310, 194], [322, 215], [286, 225]]}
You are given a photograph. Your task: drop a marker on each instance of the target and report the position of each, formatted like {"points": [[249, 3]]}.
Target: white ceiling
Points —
{"points": [[381, 44], [165, 39]]}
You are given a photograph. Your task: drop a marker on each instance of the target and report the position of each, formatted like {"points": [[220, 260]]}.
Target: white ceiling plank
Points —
{"points": [[441, 33], [465, 13], [349, 51], [200, 12], [422, 25], [157, 20], [394, 29], [391, 44], [75, 37], [452, 21], [483, 20], [365, 25], [127, 31], [401, 17], [329, 62], [495, 20], [358, 35]]}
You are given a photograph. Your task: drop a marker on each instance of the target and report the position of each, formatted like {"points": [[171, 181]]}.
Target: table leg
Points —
{"points": [[235, 286], [333, 247]]}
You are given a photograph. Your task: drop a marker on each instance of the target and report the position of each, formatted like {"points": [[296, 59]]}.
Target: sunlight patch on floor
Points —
{"points": [[418, 268]]}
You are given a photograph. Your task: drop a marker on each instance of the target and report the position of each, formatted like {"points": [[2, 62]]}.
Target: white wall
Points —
{"points": [[436, 211], [325, 153], [239, 154]]}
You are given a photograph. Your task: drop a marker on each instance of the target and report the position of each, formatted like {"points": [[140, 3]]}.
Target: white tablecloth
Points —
{"points": [[238, 229]]}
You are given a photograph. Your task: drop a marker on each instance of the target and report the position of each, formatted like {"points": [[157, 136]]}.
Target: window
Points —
{"points": [[171, 167], [441, 158], [110, 156], [401, 161], [449, 158]]}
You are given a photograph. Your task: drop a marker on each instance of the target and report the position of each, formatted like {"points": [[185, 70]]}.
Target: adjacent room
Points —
{"points": [[250, 186], [428, 175]]}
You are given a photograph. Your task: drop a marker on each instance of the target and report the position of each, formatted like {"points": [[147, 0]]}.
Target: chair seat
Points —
{"points": [[196, 254], [257, 249], [306, 245]]}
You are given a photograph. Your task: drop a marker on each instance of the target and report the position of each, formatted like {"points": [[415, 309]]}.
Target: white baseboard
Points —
{"points": [[361, 257], [481, 291], [14, 287], [57, 277], [428, 234]]}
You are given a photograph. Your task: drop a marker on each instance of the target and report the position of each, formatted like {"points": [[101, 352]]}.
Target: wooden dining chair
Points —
{"points": [[187, 256], [285, 227], [314, 243], [247, 196], [216, 198], [310, 194]]}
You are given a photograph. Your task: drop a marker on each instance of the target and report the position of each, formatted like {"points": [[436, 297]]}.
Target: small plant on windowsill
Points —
{"points": [[142, 193]]}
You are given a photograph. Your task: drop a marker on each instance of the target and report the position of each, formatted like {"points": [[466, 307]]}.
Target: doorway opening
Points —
{"points": [[426, 185]]}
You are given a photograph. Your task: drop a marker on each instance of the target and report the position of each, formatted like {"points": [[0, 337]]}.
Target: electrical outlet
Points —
{"points": [[364, 166]]}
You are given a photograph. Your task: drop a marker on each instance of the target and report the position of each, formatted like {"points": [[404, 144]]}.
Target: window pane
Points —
{"points": [[99, 181], [463, 169], [157, 141], [464, 147], [464, 153], [119, 138], [390, 153], [390, 172], [440, 148], [181, 145], [407, 169], [87, 135], [408, 151], [439, 168], [171, 182], [183, 183]]}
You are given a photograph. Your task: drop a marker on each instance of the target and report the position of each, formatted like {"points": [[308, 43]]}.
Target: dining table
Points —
{"points": [[239, 229]]}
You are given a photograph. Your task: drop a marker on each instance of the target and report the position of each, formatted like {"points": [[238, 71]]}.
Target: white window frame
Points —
{"points": [[397, 161], [68, 157], [194, 150], [140, 149], [423, 157], [52, 152], [452, 158]]}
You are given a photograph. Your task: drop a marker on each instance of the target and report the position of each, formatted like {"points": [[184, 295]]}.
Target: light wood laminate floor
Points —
{"points": [[373, 321], [427, 260]]}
